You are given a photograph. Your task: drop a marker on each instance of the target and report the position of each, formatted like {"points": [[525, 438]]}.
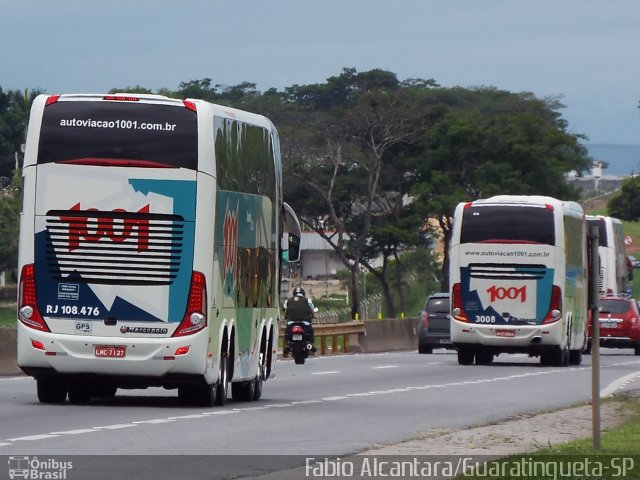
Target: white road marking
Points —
{"points": [[155, 420], [618, 383], [31, 438], [75, 432], [186, 417], [605, 392], [117, 427]]}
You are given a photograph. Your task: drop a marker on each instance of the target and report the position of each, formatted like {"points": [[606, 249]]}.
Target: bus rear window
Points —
{"points": [[507, 223], [120, 134]]}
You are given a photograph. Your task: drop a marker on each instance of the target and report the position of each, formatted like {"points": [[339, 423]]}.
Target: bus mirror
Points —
{"points": [[294, 248], [292, 226]]}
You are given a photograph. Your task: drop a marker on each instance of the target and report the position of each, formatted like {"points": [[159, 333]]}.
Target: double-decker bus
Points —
{"points": [[518, 267], [150, 248], [611, 252]]}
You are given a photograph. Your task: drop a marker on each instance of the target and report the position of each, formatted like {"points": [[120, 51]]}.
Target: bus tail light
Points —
{"points": [[120, 98], [555, 306], [457, 310], [190, 105], [195, 318], [51, 99], [28, 312]]}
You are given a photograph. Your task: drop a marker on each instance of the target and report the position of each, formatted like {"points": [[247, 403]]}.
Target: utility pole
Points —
{"points": [[594, 309]]}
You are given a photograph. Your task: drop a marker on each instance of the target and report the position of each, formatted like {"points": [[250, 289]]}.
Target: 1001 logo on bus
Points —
{"points": [[511, 293], [93, 229]]}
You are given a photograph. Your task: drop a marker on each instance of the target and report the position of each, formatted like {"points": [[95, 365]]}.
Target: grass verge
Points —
{"points": [[618, 457], [7, 317]]}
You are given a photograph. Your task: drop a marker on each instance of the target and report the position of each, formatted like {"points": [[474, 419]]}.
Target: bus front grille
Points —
{"points": [[121, 248]]}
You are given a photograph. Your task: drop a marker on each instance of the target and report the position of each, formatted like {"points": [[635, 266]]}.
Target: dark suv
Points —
{"points": [[434, 328], [619, 323]]}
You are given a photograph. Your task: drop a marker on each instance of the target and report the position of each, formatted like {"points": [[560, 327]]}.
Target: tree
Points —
{"points": [[494, 142], [624, 203], [367, 116]]}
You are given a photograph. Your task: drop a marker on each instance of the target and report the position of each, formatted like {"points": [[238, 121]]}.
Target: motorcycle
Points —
{"points": [[298, 340]]}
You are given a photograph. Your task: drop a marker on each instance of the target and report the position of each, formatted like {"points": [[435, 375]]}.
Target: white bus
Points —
{"points": [[518, 269], [613, 266], [150, 248]]}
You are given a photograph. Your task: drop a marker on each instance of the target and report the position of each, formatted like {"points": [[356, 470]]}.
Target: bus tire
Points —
{"points": [[465, 356], [51, 391], [242, 391], [575, 357], [222, 386], [196, 395], [79, 395], [484, 357], [257, 388]]}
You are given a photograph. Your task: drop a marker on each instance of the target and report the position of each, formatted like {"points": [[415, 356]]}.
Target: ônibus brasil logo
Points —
{"points": [[93, 229], [230, 232]]}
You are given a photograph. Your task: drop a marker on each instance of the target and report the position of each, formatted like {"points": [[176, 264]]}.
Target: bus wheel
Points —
{"points": [[223, 383], [558, 357], [51, 391], [575, 357], [484, 358], [242, 391], [79, 394], [257, 388], [465, 356], [197, 395]]}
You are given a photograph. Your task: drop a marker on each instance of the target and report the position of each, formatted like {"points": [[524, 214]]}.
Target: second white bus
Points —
{"points": [[518, 271]]}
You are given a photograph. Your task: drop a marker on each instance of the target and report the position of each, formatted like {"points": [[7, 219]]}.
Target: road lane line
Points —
{"points": [[312, 401], [75, 432], [31, 438], [117, 426], [618, 383]]}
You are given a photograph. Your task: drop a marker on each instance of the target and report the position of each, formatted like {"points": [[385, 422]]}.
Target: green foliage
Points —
{"points": [[8, 317], [368, 159], [624, 204]]}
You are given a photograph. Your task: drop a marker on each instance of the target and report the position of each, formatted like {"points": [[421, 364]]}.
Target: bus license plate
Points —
{"points": [[505, 333], [297, 336], [110, 351]]}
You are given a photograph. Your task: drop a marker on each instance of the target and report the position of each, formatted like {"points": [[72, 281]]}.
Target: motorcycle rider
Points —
{"points": [[299, 307]]}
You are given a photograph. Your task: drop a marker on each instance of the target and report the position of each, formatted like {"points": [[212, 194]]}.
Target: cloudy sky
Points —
{"points": [[584, 51]]}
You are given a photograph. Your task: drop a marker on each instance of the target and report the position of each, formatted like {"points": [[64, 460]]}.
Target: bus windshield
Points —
{"points": [[119, 134], [507, 224]]}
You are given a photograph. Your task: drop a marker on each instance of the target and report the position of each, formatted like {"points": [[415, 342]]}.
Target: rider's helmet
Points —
{"points": [[298, 292]]}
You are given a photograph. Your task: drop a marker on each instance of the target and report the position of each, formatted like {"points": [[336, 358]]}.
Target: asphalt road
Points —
{"points": [[329, 406]]}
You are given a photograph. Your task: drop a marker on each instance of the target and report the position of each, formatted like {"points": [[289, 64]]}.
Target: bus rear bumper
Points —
{"points": [[151, 361], [524, 338]]}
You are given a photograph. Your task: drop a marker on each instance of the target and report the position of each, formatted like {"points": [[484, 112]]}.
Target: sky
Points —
{"points": [[584, 52]]}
